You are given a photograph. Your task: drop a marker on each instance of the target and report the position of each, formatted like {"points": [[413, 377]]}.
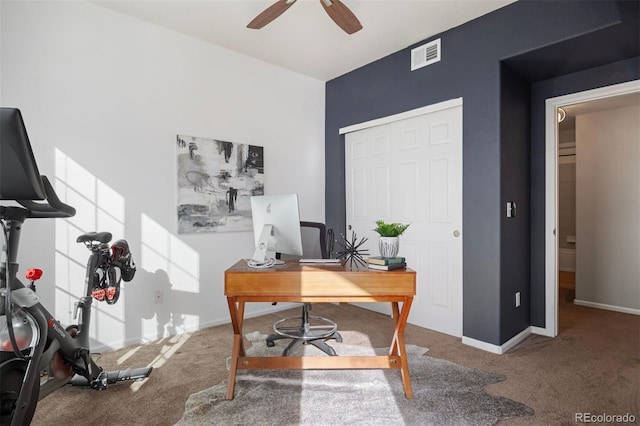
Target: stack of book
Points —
{"points": [[386, 263]]}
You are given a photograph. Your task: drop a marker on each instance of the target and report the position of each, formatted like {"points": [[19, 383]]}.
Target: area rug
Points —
{"points": [[444, 394]]}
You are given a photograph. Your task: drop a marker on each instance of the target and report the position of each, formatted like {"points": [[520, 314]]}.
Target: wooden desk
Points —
{"points": [[293, 282]]}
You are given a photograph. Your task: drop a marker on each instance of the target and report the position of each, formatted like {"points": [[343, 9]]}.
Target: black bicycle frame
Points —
{"points": [[31, 339], [53, 338]]}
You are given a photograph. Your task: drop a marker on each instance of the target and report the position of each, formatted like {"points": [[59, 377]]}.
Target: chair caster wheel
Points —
{"points": [[270, 343], [339, 338]]}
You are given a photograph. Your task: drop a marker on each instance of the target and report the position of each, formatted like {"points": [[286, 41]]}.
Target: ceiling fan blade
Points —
{"points": [[270, 13], [341, 15]]}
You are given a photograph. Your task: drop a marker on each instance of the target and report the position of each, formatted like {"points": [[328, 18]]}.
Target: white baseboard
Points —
{"points": [[542, 331], [495, 348], [607, 307], [112, 346]]}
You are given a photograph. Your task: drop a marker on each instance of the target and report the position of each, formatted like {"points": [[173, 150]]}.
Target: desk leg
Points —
{"points": [[395, 312], [236, 311], [397, 345]]}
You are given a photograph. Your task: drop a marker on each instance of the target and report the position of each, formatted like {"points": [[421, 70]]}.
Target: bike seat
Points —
{"points": [[102, 237]]}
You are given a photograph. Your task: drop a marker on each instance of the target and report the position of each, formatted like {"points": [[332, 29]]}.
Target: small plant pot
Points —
{"points": [[388, 246]]}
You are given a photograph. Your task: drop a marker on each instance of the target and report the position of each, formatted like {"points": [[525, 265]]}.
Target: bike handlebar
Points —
{"points": [[53, 208]]}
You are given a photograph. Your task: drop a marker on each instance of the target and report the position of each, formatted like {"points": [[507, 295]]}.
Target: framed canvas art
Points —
{"points": [[215, 182]]}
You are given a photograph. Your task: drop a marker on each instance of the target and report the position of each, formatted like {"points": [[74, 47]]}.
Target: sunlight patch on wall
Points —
{"points": [[176, 281], [162, 250], [98, 208]]}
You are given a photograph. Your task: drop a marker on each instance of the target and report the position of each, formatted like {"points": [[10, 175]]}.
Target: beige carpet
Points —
{"points": [[444, 394], [592, 366]]}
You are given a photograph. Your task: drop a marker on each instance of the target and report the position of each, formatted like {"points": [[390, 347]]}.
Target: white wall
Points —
{"points": [[608, 209], [103, 97]]}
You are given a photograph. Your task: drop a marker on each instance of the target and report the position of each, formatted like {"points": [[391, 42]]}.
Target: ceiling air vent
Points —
{"points": [[426, 54]]}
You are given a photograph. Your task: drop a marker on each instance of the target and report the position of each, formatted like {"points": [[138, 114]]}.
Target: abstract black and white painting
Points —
{"points": [[215, 182]]}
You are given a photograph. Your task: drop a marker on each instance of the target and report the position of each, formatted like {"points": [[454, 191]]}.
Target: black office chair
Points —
{"points": [[308, 329]]}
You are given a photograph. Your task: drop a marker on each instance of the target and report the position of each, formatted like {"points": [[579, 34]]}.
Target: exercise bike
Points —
{"points": [[37, 354]]}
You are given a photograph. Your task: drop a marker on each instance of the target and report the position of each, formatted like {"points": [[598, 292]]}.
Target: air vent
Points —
{"points": [[426, 54]]}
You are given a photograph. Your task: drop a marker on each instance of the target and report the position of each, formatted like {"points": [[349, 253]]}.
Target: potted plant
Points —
{"points": [[389, 241]]}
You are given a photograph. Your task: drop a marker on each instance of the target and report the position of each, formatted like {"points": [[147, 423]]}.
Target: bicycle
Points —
{"points": [[107, 266], [37, 354]]}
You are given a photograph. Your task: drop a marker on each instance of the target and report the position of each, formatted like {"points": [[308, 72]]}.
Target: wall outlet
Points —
{"points": [[517, 299], [158, 297]]}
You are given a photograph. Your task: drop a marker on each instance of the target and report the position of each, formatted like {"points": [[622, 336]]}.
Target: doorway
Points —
{"points": [[566, 230], [574, 105]]}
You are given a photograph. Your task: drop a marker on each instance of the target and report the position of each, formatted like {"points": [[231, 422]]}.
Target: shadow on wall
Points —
{"points": [[142, 312], [147, 297]]}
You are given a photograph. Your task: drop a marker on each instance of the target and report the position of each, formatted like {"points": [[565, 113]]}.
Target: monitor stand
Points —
{"points": [[262, 256]]}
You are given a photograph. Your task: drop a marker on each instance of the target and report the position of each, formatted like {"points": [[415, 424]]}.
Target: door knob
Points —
{"points": [[349, 227], [456, 233]]}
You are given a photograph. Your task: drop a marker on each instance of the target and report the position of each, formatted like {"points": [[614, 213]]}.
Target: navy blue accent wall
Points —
{"points": [[515, 172], [491, 63]]}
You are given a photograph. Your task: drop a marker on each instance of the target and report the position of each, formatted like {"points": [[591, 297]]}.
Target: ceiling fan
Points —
{"points": [[340, 14]]}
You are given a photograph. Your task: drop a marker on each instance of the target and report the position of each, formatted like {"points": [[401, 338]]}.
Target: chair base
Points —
{"points": [[318, 343], [312, 330]]}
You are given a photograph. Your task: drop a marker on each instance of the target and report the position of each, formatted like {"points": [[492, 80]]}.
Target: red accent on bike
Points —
{"points": [[22, 343], [117, 252], [98, 294], [111, 293], [50, 322], [33, 274]]}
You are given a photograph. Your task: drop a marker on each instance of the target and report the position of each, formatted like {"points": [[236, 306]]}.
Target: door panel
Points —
{"points": [[410, 171]]}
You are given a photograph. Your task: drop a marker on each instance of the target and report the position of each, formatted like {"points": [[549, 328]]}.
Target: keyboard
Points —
{"points": [[319, 260]]}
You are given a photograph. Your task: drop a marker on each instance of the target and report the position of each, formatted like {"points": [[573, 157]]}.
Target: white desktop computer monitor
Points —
{"points": [[276, 228]]}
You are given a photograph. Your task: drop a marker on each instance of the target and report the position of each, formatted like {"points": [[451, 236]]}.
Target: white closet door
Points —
{"points": [[410, 171]]}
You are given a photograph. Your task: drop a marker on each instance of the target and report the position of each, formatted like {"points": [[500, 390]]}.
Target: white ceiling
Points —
{"points": [[612, 102], [304, 39]]}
